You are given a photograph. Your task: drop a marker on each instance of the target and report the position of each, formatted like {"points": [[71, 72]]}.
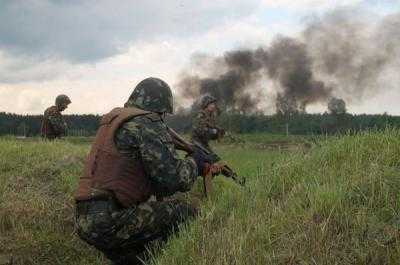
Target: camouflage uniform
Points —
{"points": [[123, 233], [204, 124], [146, 137], [53, 125]]}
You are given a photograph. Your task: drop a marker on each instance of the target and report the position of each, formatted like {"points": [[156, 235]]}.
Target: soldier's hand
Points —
{"points": [[213, 133], [215, 169]]}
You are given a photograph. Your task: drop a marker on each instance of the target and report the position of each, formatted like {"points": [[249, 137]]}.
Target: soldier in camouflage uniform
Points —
{"points": [[53, 125], [204, 122], [133, 159]]}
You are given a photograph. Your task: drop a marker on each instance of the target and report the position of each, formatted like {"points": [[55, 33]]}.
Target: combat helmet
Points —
{"points": [[207, 100], [62, 100], [152, 94]]}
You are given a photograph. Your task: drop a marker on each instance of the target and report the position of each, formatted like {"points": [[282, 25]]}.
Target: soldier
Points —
{"points": [[204, 123], [133, 158], [53, 124]]}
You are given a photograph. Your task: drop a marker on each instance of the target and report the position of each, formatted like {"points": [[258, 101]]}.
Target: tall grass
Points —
{"points": [[36, 185], [337, 203]]}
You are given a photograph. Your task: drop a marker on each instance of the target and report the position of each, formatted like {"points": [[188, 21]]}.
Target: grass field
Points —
{"points": [[334, 202]]}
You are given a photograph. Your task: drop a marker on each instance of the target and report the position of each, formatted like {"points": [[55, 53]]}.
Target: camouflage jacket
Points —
{"points": [[204, 127], [146, 138], [53, 124]]}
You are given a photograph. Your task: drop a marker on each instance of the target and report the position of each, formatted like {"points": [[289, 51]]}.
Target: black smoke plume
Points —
{"points": [[340, 54], [232, 86]]}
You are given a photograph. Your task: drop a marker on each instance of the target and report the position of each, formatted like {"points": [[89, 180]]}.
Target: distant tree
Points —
{"points": [[286, 106], [22, 129], [337, 106]]}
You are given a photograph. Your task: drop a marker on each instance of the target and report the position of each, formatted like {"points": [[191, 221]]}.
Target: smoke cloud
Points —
{"points": [[351, 54], [340, 54]]}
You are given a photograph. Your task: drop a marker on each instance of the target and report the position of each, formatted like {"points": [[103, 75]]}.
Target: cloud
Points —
{"points": [[309, 5], [24, 68], [109, 82], [90, 30], [42, 39]]}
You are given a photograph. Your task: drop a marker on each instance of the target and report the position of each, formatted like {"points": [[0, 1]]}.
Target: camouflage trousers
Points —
{"points": [[123, 234]]}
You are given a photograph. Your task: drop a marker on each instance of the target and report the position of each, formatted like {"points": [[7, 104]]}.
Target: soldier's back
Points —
{"points": [[47, 129]]}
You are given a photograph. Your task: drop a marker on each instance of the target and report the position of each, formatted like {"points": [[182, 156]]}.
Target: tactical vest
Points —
{"points": [[109, 172]]}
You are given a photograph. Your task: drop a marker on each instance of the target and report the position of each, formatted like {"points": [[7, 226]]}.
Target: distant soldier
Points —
{"points": [[53, 124], [204, 122], [133, 159]]}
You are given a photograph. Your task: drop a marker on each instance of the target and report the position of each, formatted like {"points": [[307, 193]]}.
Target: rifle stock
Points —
{"points": [[179, 142]]}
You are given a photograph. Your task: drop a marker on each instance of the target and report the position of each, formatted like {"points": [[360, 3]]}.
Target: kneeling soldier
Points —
{"points": [[132, 159]]}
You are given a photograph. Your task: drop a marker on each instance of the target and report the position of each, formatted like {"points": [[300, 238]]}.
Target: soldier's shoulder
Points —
{"points": [[142, 121], [147, 118], [51, 110]]}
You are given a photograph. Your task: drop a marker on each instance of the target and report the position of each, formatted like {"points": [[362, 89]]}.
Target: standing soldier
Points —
{"points": [[204, 123], [133, 158], [53, 124]]}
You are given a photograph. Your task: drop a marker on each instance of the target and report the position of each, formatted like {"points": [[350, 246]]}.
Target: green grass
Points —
{"points": [[337, 202], [37, 180]]}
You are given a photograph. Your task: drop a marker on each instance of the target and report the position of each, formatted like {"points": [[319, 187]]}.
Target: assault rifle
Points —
{"points": [[213, 159]]}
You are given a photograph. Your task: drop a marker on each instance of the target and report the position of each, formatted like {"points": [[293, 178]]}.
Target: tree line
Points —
{"points": [[295, 123], [29, 125], [298, 123]]}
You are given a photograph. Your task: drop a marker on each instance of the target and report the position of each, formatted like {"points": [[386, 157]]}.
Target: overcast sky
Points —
{"points": [[96, 51]]}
